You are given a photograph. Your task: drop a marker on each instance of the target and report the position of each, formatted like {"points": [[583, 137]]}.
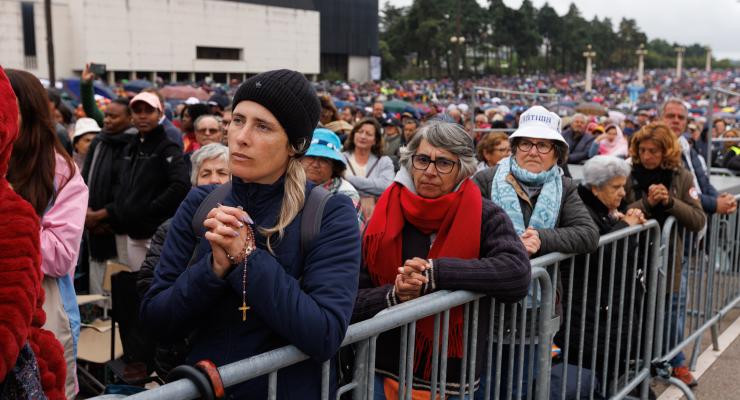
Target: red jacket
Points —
{"points": [[21, 294]]}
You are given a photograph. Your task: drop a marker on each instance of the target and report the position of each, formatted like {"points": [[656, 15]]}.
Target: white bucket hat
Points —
{"points": [[85, 125], [538, 123]]}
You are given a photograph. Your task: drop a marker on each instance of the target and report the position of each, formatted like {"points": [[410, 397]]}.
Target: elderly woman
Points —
{"points": [[250, 288], [433, 224], [492, 148], [602, 191], [210, 165], [661, 187], [544, 206], [370, 172], [325, 165]]}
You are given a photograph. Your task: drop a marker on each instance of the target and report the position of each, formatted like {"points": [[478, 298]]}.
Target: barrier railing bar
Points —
{"points": [[443, 365], [435, 356]]}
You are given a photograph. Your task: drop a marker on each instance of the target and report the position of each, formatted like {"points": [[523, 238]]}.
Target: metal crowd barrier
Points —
{"points": [[614, 313], [707, 267], [362, 337], [608, 316]]}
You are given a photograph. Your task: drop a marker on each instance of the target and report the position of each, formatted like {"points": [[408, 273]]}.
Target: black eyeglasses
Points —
{"points": [[542, 147], [443, 165]]}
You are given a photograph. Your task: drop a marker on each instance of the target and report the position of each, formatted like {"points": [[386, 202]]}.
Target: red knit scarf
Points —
{"points": [[455, 217]]}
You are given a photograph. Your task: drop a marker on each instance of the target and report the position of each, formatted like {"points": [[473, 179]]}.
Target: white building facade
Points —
{"points": [[171, 39]]}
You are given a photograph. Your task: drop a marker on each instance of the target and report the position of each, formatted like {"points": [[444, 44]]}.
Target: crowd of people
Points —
{"points": [[210, 205]]}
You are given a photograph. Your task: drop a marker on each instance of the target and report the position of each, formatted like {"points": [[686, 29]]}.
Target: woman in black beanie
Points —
{"points": [[252, 288]]}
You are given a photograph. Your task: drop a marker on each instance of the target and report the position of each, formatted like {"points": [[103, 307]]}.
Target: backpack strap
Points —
{"points": [[216, 196], [370, 171], [313, 211]]}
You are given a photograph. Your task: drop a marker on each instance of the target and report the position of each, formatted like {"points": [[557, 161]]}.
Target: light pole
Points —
{"points": [[589, 54], [679, 61], [641, 52], [708, 66], [457, 42]]}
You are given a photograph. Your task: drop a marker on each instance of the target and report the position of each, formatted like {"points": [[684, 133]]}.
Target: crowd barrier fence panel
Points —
{"points": [[625, 260], [608, 315], [363, 335], [709, 287]]}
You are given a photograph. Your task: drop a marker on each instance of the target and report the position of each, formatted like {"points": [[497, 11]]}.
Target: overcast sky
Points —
{"points": [[710, 22]]}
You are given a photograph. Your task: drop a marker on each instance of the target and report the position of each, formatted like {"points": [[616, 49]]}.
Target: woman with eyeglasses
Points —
{"points": [[431, 230], [544, 205]]}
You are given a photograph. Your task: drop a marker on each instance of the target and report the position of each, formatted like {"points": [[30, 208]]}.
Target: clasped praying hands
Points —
{"points": [[230, 237], [411, 279]]}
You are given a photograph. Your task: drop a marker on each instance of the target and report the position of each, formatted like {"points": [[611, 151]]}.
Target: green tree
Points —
{"points": [[526, 39], [630, 38], [549, 26]]}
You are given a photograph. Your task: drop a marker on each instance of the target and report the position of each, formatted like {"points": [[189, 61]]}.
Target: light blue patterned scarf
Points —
{"points": [[547, 208]]}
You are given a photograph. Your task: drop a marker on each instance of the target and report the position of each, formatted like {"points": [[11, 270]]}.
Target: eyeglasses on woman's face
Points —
{"points": [[442, 165], [542, 147]]}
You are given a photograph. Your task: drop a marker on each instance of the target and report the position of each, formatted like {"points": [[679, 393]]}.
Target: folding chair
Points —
{"points": [[100, 341]]}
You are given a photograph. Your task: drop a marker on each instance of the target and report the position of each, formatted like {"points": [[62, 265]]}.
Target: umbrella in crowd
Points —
{"points": [[73, 86], [591, 108], [137, 85], [183, 93], [398, 106]]}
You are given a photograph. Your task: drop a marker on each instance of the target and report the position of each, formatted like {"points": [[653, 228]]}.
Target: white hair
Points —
{"points": [[207, 152], [601, 169]]}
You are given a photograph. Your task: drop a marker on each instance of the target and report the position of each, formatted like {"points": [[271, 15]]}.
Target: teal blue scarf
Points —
{"points": [[547, 207]]}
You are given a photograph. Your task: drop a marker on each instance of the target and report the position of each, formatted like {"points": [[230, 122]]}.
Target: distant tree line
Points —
{"points": [[422, 40]]}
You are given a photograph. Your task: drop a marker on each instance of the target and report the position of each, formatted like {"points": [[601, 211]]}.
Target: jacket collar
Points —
{"points": [[260, 201]]}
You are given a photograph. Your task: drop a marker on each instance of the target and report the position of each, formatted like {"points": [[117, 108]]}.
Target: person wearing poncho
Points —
{"points": [[432, 230]]}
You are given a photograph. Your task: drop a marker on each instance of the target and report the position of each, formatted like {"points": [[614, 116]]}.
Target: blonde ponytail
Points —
{"points": [[293, 199]]}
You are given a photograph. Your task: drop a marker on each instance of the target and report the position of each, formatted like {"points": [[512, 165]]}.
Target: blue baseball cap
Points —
{"points": [[326, 143]]}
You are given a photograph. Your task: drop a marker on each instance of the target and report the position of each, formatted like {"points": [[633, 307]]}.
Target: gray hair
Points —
{"points": [[578, 116], [444, 135], [673, 100], [205, 116], [601, 169], [207, 152]]}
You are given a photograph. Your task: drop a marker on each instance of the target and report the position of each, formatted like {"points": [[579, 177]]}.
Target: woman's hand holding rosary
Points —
{"points": [[231, 237], [232, 241]]}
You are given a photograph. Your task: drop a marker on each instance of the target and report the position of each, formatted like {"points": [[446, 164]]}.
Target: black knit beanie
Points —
{"points": [[289, 97]]}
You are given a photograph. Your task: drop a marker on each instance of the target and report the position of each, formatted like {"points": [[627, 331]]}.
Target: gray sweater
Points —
{"points": [[378, 177]]}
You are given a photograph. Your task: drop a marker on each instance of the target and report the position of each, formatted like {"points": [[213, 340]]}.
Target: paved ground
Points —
{"points": [[721, 379], [717, 372]]}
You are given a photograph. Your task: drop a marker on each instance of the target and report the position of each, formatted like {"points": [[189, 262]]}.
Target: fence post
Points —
{"points": [[548, 327]]}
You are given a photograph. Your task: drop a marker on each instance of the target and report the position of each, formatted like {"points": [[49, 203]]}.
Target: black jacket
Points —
{"points": [[101, 173], [578, 148], [146, 273], [617, 322], [154, 181]]}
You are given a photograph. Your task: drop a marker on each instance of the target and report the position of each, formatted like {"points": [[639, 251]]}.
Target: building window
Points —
{"points": [[29, 34], [218, 53], [182, 77]]}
